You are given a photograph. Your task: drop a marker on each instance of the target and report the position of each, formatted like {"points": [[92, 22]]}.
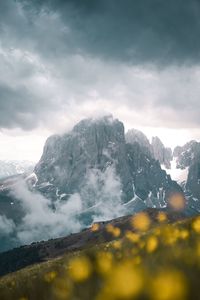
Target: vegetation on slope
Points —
{"points": [[158, 263]]}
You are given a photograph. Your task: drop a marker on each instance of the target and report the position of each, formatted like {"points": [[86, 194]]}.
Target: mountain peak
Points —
{"points": [[162, 154], [137, 136], [107, 120]]}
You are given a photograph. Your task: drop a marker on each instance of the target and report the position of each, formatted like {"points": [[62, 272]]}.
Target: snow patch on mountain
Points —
{"points": [[13, 167], [177, 174]]}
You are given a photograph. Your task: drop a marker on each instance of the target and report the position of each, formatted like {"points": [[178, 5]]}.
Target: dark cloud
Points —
{"points": [[136, 31], [62, 60], [19, 108]]}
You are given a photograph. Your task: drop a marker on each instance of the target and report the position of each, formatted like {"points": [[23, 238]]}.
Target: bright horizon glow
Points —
{"points": [[21, 145], [171, 137]]}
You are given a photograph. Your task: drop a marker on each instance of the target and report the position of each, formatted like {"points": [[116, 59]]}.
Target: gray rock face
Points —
{"points": [[99, 145], [89, 174], [188, 156], [90, 145], [177, 151], [136, 136], [162, 154], [193, 181]]}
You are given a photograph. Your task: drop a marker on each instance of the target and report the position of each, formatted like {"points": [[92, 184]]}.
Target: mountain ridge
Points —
{"points": [[91, 173]]}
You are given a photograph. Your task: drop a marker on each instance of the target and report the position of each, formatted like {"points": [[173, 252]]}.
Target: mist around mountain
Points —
{"points": [[14, 167], [182, 164], [110, 260], [93, 173]]}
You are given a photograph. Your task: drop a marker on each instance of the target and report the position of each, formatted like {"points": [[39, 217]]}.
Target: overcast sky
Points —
{"points": [[63, 60]]}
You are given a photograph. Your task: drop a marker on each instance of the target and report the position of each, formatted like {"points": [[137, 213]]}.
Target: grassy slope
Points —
{"points": [[161, 263]]}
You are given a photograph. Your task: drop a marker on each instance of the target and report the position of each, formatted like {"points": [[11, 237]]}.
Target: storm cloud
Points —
{"points": [[64, 60], [137, 31]]}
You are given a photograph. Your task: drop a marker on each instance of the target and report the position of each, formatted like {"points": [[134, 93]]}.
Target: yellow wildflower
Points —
{"points": [[161, 217], [131, 236], [104, 262], [95, 227], [152, 244], [80, 268], [196, 225], [141, 221], [169, 285], [124, 282]]}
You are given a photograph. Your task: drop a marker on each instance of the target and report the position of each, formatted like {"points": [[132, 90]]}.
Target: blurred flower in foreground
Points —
{"points": [[161, 217], [169, 285], [184, 234], [115, 231], [196, 225], [177, 202], [95, 227], [123, 283], [117, 244], [104, 262], [141, 221], [80, 268], [132, 237], [170, 235], [152, 244]]}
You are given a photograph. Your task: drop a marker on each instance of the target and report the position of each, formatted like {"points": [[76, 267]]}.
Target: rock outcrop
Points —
{"points": [[188, 156], [162, 154], [136, 136], [92, 173], [99, 145]]}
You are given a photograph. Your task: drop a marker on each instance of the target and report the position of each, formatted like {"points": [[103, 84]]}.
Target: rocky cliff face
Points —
{"points": [[92, 173], [91, 145], [162, 154], [98, 145], [193, 181], [136, 136], [188, 156]]}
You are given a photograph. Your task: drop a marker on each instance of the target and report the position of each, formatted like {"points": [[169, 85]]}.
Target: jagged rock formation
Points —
{"points": [[193, 181], [98, 145], [162, 154], [156, 149], [188, 156], [107, 174], [111, 175], [92, 174], [185, 155], [136, 136]]}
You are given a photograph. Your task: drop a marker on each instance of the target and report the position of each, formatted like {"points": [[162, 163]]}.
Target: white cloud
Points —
{"points": [[41, 221], [48, 82], [7, 226]]}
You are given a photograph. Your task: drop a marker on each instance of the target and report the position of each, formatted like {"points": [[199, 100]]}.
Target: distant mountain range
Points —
{"points": [[100, 149], [96, 172], [155, 149], [14, 167]]}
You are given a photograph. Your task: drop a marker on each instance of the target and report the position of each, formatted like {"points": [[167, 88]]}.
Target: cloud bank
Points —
{"points": [[42, 219], [65, 60]]}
